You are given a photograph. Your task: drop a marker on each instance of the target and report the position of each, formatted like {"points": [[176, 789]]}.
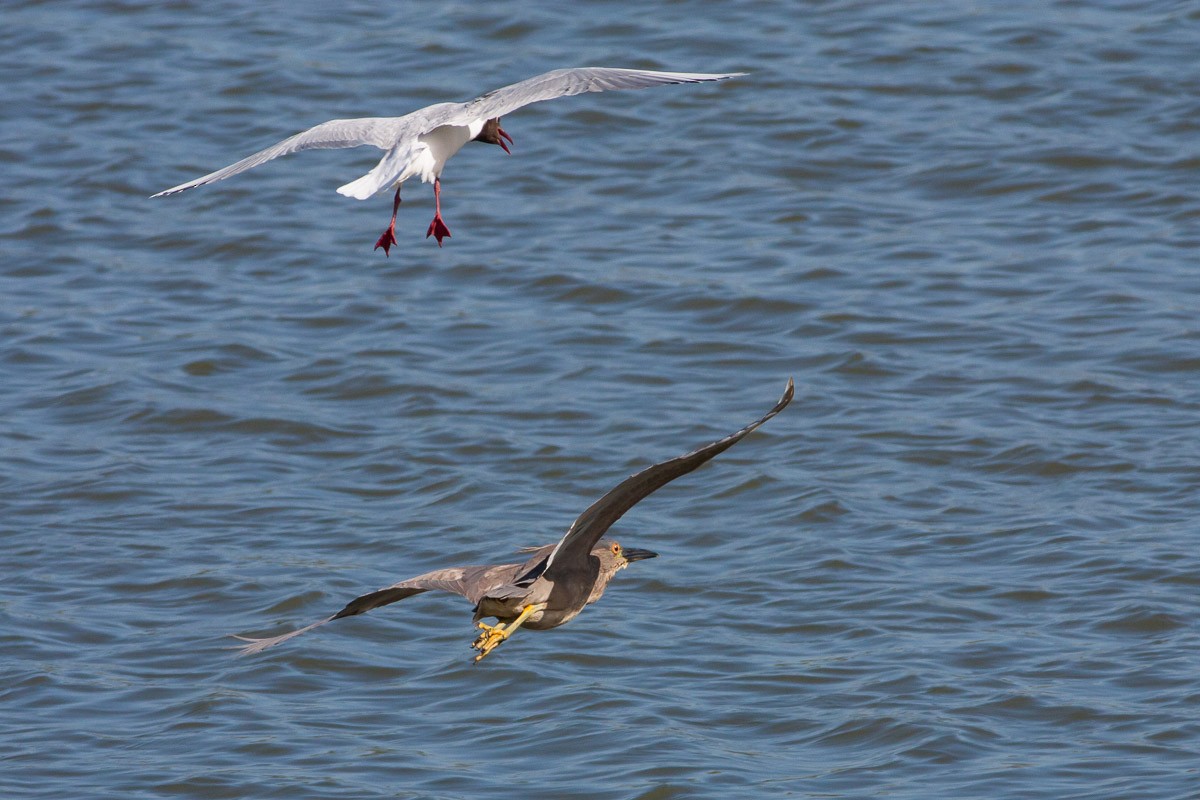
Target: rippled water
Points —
{"points": [[961, 564]]}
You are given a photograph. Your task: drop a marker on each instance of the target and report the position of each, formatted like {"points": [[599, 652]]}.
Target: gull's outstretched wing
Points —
{"points": [[471, 582], [566, 82], [386, 132], [600, 516], [382, 132]]}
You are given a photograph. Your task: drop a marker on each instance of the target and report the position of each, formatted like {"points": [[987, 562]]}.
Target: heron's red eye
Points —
{"points": [[616, 548]]}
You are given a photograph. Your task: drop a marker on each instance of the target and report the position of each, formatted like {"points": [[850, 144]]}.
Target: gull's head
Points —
{"points": [[492, 133]]}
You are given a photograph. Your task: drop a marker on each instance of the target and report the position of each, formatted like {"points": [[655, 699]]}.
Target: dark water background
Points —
{"points": [[962, 564]]}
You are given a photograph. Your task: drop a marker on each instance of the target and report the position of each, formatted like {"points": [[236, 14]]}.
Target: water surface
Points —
{"points": [[961, 564]]}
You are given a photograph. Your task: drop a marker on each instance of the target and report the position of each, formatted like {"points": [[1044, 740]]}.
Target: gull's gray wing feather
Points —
{"points": [[382, 132], [470, 582], [564, 83], [559, 83], [387, 132], [600, 516]]}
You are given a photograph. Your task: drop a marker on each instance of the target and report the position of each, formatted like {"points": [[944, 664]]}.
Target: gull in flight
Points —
{"points": [[419, 144]]}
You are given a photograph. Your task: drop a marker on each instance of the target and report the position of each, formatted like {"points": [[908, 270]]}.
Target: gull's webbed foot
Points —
{"points": [[438, 230], [387, 239], [389, 236]]}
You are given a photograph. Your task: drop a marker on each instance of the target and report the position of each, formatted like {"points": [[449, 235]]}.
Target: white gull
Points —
{"points": [[419, 144]]}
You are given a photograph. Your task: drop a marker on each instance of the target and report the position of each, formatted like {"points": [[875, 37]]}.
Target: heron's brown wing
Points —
{"points": [[600, 516], [471, 582]]}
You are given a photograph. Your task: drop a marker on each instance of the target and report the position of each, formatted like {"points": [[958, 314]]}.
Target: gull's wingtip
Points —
{"points": [[696, 77], [716, 76]]}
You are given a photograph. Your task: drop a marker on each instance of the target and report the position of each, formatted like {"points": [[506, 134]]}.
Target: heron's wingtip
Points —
{"points": [[252, 646], [258, 645]]}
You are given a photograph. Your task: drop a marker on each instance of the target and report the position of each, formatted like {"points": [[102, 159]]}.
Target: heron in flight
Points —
{"points": [[558, 580]]}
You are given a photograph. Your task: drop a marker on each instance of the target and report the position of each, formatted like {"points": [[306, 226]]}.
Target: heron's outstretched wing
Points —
{"points": [[471, 582], [382, 132], [600, 516], [566, 82]]}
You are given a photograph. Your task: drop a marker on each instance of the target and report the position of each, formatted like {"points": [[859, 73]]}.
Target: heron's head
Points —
{"points": [[613, 557], [492, 133]]}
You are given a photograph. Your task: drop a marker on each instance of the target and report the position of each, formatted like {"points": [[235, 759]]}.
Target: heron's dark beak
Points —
{"points": [[636, 554]]}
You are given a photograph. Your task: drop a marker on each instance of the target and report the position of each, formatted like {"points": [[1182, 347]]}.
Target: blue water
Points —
{"points": [[961, 564]]}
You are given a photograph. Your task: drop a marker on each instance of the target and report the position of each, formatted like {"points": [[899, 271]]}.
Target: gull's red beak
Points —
{"points": [[503, 135]]}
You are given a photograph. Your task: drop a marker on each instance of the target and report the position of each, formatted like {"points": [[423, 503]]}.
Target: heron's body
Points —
{"points": [[419, 144], [564, 598], [556, 581]]}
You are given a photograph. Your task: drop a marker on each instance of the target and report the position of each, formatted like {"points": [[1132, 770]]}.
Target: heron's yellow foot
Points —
{"points": [[488, 642], [493, 635], [489, 632]]}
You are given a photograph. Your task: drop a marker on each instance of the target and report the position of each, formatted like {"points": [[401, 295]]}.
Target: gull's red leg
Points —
{"points": [[389, 236], [437, 228]]}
